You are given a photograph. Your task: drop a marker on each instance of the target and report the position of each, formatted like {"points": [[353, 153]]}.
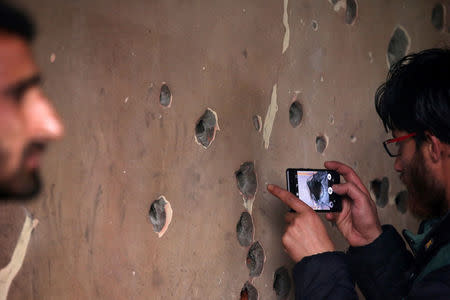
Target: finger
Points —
{"points": [[289, 217], [287, 240], [348, 173], [352, 191], [288, 198]]}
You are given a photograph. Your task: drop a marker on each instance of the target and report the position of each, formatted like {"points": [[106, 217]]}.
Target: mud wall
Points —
{"points": [[128, 143]]}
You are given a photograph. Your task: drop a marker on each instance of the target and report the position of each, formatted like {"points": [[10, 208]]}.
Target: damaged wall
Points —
{"points": [[172, 98]]}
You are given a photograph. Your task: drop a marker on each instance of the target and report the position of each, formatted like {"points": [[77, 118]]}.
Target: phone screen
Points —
{"points": [[314, 187]]}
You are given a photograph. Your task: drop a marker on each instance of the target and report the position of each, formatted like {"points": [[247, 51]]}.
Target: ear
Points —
{"points": [[434, 147]]}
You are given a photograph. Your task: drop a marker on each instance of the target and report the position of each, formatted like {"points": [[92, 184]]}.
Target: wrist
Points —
{"points": [[374, 234]]}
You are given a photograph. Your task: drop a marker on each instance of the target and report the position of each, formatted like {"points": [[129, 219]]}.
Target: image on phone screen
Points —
{"points": [[313, 189]]}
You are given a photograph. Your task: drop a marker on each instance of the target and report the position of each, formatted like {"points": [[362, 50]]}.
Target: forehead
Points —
{"points": [[16, 61]]}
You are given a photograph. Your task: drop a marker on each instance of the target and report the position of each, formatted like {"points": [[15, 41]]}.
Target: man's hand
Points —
{"points": [[305, 233], [358, 221]]}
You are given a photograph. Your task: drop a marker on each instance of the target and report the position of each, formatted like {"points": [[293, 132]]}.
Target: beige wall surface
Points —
{"points": [[104, 63]]}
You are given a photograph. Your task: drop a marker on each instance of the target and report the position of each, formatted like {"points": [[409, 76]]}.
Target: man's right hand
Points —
{"points": [[358, 221]]}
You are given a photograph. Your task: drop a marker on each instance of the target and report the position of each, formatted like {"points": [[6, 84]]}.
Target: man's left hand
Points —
{"points": [[305, 233]]}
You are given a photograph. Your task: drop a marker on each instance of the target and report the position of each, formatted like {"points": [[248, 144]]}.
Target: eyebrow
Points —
{"points": [[17, 90]]}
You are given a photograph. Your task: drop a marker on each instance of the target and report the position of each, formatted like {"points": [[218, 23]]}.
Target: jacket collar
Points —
{"points": [[417, 241]]}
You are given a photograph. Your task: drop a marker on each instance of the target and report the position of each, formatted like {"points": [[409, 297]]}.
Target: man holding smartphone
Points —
{"points": [[414, 103]]}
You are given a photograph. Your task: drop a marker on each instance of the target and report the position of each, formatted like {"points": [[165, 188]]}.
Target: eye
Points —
{"points": [[18, 90], [18, 93]]}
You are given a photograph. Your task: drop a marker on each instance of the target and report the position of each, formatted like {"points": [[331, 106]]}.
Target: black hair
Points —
{"points": [[416, 95], [15, 21]]}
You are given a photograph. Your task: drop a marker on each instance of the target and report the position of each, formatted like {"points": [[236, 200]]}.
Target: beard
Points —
{"points": [[426, 196], [23, 184]]}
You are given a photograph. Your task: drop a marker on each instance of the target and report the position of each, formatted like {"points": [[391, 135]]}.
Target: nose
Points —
{"points": [[44, 123], [398, 164]]}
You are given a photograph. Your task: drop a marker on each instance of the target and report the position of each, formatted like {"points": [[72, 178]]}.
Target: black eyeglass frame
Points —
{"points": [[396, 140]]}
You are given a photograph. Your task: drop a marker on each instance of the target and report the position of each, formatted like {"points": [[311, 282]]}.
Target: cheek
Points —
{"points": [[12, 139], [403, 162]]}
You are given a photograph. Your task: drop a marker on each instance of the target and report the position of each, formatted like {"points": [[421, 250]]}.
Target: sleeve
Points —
{"points": [[435, 285], [381, 268], [324, 276]]}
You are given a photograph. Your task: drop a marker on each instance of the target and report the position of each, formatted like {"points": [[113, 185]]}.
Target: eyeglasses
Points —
{"points": [[392, 146]]}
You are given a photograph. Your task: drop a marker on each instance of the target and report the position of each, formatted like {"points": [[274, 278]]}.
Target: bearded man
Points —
{"points": [[414, 104], [28, 123], [27, 119]]}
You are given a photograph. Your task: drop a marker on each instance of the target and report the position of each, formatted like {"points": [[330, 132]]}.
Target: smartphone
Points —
{"points": [[315, 188]]}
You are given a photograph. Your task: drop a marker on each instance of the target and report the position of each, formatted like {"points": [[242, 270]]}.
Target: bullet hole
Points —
{"points": [[315, 25], [255, 259], [380, 189], [247, 184], [160, 214], [257, 123], [351, 12], [206, 127], [401, 201], [245, 53], [165, 96], [244, 229], [295, 113], [246, 180], [321, 143], [281, 283], [249, 292], [353, 139], [438, 16], [398, 46]]}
